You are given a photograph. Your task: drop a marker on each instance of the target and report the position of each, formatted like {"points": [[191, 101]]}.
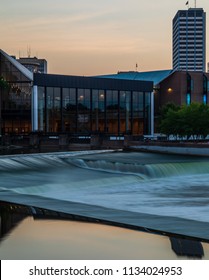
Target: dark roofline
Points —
{"points": [[191, 73], [52, 80], [187, 12], [18, 65]]}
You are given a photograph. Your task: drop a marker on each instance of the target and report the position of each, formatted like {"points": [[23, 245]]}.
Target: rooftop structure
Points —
{"points": [[34, 64], [155, 76]]}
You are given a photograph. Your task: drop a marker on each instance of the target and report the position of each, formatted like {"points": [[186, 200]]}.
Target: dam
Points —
{"points": [[156, 191]]}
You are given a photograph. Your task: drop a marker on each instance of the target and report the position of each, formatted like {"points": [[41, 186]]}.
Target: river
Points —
{"points": [[146, 183]]}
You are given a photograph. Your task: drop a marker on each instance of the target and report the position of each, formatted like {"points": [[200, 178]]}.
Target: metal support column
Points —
{"points": [[34, 108], [152, 114]]}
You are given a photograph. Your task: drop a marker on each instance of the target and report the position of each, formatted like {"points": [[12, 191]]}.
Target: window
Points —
{"points": [[69, 109], [125, 110], [205, 99], [188, 98], [98, 110], [41, 108], [53, 109]]}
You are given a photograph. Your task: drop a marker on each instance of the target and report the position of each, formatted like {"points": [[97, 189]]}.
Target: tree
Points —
{"points": [[203, 124], [169, 123], [167, 107], [185, 121]]}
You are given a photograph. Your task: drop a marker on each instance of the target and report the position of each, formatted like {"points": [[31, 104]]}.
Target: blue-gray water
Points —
{"points": [[165, 185]]}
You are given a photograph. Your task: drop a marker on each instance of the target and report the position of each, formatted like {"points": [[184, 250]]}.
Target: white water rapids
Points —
{"points": [[164, 185]]}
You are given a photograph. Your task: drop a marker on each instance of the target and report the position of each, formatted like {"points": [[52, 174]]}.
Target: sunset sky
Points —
{"points": [[90, 37]]}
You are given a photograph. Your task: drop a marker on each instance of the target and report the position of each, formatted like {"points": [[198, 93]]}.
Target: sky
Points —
{"points": [[93, 37]]}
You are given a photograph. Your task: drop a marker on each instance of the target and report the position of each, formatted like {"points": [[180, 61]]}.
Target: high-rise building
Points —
{"points": [[189, 40], [34, 64]]}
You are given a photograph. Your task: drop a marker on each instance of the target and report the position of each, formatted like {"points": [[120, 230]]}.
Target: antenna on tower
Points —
{"points": [[29, 51], [187, 4]]}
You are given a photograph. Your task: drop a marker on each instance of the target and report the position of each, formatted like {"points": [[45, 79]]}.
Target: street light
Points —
{"points": [[170, 90]]}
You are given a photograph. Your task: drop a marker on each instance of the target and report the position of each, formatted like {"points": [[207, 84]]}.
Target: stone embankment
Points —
{"points": [[193, 149], [38, 143]]}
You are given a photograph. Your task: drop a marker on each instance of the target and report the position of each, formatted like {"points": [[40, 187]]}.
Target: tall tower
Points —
{"points": [[189, 40]]}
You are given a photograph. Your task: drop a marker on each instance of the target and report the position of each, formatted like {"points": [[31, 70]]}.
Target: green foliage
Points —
{"points": [[167, 107], [3, 83], [185, 121]]}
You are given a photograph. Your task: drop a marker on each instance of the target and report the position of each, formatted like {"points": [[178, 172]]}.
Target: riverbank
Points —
{"points": [[193, 150], [38, 143]]}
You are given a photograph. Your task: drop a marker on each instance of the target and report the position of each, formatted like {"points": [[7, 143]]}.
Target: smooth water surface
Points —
{"points": [[166, 185]]}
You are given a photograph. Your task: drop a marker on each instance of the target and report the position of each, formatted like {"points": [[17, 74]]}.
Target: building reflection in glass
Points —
{"points": [[15, 99], [86, 111]]}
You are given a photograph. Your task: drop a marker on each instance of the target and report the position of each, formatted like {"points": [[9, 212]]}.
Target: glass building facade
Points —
{"points": [[83, 105], [15, 96], [34, 102]]}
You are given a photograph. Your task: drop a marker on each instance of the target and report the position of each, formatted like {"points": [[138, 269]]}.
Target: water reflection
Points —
{"points": [[10, 216], [34, 233]]}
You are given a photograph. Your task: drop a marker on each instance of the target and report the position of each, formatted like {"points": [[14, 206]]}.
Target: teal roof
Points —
{"points": [[155, 76]]}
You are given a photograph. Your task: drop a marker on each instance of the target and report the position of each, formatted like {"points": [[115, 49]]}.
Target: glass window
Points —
{"points": [[138, 112], [138, 101], [98, 99], [15, 99], [53, 109], [98, 110], [84, 101], [188, 98], [95, 99], [84, 113], [147, 114], [65, 97], [41, 108], [205, 99], [49, 98], [205, 83], [125, 111], [69, 111], [189, 83], [112, 111], [125, 97], [57, 98]]}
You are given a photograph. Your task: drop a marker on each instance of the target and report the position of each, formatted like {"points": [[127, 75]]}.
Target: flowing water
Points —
{"points": [[165, 185]]}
